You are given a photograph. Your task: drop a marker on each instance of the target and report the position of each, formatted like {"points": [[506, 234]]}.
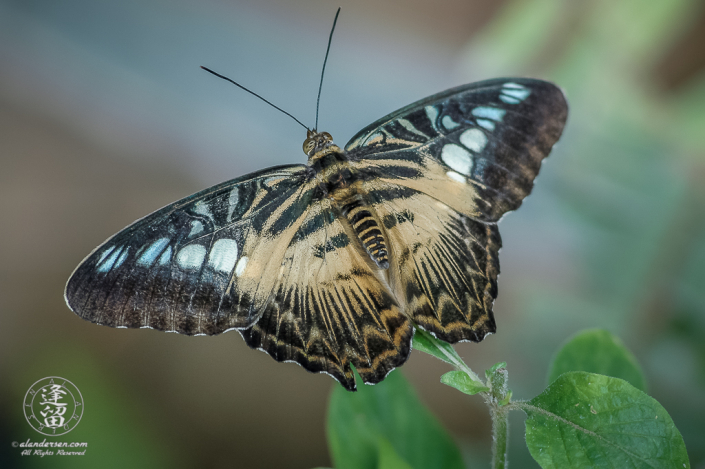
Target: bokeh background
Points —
{"points": [[105, 117]]}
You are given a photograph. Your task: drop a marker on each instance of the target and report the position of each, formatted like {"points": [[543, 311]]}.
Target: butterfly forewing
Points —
{"points": [[477, 148], [177, 269]]}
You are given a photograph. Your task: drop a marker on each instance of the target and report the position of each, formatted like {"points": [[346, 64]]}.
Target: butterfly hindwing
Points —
{"points": [[176, 269], [444, 265], [331, 307]]}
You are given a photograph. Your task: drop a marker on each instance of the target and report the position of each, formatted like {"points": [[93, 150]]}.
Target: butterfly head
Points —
{"points": [[317, 141]]}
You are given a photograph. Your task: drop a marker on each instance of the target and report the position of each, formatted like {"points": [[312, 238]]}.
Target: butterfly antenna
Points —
{"points": [[253, 93], [320, 87]]}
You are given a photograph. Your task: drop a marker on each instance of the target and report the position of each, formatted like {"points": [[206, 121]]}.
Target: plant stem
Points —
{"points": [[500, 432], [498, 398]]}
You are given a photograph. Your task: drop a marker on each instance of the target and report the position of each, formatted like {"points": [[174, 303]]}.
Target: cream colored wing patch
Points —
{"points": [[330, 306]]}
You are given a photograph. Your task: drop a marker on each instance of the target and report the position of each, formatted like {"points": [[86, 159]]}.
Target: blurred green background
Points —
{"points": [[105, 117]]}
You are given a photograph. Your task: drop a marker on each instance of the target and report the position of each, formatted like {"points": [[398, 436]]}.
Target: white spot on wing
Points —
{"points": [[488, 112], [105, 254], [410, 127], [111, 260], [223, 255], [122, 258], [520, 94], [240, 267], [456, 177], [196, 227], [165, 257], [432, 114], [509, 99], [457, 157], [514, 93], [233, 202], [489, 125], [449, 123], [191, 257], [474, 139], [202, 208], [150, 254]]}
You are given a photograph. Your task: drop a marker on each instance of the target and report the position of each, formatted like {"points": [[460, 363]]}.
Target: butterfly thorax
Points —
{"points": [[339, 182]]}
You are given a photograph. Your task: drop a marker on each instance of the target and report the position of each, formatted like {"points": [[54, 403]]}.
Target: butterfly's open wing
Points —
{"points": [[442, 171], [177, 269], [260, 255], [331, 306]]}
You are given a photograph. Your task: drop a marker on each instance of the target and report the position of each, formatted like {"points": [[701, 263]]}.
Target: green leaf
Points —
{"points": [[388, 458], [507, 398], [463, 383], [589, 420], [426, 343], [597, 351], [493, 368], [358, 424]]}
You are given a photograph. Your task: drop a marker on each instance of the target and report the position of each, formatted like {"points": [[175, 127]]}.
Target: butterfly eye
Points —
{"points": [[309, 145]]}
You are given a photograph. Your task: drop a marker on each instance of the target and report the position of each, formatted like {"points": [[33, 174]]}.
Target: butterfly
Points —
{"points": [[331, 264]]}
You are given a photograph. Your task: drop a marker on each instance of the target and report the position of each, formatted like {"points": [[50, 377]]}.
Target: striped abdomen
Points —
{"points": [[368, 231]]}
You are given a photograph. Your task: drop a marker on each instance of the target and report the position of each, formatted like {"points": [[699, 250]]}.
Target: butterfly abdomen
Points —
{"points": [[367, 229]]}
